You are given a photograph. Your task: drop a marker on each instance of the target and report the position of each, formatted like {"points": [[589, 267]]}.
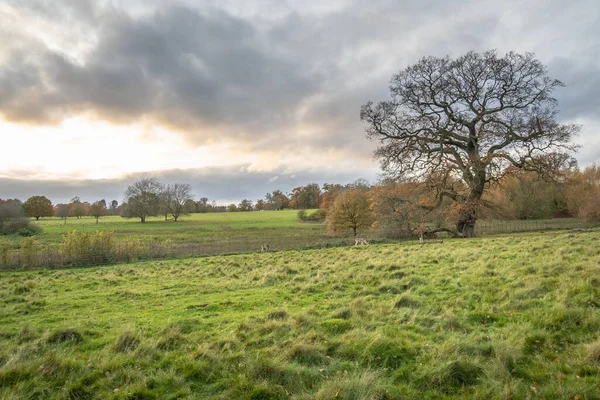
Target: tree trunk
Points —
{"points": [[467, 217], [37, 218], [143, 219], [97, 220], [354, 230], [466, 224]]}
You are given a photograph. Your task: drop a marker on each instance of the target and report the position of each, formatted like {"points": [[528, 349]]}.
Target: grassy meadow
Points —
{"points": [[505, 317], [190, 229]]}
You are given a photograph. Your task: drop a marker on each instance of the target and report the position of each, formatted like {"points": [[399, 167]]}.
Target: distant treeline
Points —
{"points": [[520, 195]]}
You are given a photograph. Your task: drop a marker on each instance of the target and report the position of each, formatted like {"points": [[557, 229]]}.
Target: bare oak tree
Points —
{"points": [[458, 124], [175, 197]]}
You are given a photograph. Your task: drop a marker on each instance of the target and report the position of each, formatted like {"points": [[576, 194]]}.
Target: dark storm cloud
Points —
{"points": [[220, 184], [186, 68]]}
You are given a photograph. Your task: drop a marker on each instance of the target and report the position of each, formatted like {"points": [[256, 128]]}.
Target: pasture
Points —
{"points": [[514, 316], [193, 228]]}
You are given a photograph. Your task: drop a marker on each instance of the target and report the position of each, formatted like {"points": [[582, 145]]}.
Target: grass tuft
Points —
{"points": [[70, 335], [127, 342], [279, 314], [407, 301]]}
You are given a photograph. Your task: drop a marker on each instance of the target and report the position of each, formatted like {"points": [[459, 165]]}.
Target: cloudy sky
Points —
{"points": [[241, 97]]}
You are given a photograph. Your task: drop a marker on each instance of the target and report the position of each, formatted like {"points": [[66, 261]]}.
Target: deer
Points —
{"points": [[265, 248], [360, 241]]}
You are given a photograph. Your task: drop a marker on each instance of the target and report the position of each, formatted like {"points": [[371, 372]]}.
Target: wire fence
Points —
{"points": [[125, 251]]}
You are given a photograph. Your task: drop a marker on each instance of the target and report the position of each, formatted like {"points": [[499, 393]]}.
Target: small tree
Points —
{"points": [[350, 211], [114, 207], [202, 206], [98, 209], [245, 205], [232, 208], [62, 211], [259, 205], [142, 199], [176, 197], [38, 206]]}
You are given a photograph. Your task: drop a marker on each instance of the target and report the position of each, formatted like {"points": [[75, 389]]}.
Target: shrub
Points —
{"points": [[315, 216], [29, 251], [20, 226], [4, 250], [82, 248]]}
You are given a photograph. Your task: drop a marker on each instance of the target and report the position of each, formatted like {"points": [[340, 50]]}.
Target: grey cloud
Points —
{"points": [[220, 184], [581, 96]]}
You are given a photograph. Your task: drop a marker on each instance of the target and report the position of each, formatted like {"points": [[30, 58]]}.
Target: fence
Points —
{"points": [[125, 251]]}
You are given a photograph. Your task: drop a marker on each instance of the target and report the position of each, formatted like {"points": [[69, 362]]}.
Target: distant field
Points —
{"points": [[194, 228], [511, 317]]}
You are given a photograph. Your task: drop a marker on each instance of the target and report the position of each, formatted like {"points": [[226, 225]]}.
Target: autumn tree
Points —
{"points": [[142, 199], [583, 193], [38, 206], [330, 192], [466, 120], [259, 205], [98, 209], [77, 208], [350, 212]]}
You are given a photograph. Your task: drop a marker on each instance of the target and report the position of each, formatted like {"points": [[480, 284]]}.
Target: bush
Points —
{"points": [[315, 216], [4, 249], [20, 226], [29, 251], [82, 248]]}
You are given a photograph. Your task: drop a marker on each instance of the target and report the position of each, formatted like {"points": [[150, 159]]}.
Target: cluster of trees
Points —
{"points": [[396, 208], [77, 208], [392, 207], [149, 197]]}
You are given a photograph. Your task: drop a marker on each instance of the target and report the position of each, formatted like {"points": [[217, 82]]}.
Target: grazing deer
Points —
{"points": [[265, 248], [360, 241], [420, 231]]}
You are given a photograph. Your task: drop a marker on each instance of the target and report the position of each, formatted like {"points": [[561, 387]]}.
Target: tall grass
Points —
{"points": [[503, 317]]}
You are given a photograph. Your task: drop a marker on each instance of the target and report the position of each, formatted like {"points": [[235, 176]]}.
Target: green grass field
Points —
{"points": [[509, 317], [191, 229]]}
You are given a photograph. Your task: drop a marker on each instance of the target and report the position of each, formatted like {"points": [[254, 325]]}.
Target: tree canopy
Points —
{"points": [[458, 124]]}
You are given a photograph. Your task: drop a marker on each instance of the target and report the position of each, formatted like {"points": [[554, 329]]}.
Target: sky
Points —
{"points": [[240, 97]]}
